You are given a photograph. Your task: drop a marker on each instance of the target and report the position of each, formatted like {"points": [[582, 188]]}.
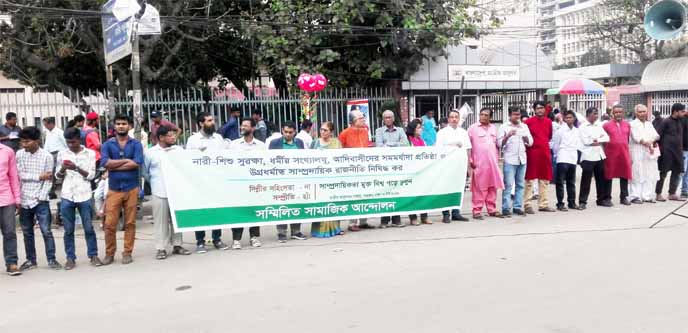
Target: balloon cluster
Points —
{"points": [[312, 83]]}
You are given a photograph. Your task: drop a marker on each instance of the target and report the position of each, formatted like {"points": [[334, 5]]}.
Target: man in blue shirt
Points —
{"points": [[122, 156], [231, 129], [288, 141]]}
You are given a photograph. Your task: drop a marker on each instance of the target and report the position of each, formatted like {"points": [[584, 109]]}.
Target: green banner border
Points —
{"points": [[210, 217]]}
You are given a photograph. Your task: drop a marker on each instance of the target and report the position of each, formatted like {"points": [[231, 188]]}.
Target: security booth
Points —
{"points": [[495, 76], [664, 83]]}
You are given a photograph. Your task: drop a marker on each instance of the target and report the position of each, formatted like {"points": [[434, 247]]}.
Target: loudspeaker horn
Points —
{"points": [[665, 20]]}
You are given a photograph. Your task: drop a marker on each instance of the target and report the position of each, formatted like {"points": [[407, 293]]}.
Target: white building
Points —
{"points": [[562, 31]]}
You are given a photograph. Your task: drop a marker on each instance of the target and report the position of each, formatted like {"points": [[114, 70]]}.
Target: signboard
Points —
{"points": [[149, 24], [253, 188], [483, 73], [360, 105], [116, 35]]}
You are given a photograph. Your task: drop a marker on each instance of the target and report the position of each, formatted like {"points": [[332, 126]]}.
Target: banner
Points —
{"points": [[228, 189]]}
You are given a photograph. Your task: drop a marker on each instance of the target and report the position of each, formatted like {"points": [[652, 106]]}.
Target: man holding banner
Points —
{"points": [[245, 143], [454, 136], [207, 139], [163, 233], [356, 136], [288, 141], [390, 136]]}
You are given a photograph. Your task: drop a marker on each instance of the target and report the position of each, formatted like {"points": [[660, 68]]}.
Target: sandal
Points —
{"points": [[162, 254]]}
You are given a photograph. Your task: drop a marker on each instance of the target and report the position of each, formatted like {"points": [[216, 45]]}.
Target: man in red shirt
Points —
{"points": [[90, 135]]}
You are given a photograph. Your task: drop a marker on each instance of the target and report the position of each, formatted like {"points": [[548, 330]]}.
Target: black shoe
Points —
{"points": [[220, 245], [519, 212], [625, 202], [299, 236], [562, 208], [180, 251], [108, 260], [573, 206], [446, 219], [366, 226], [582, 206], [282, 238], [126, 260], [637, 201], [27, 265], [606, 203], [460, 218]]}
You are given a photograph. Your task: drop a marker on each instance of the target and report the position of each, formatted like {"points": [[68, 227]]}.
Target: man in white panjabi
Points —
{"points": [[644, 153]]}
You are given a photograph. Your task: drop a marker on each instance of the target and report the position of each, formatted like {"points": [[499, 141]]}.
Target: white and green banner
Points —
{"points": [[229, 189]]}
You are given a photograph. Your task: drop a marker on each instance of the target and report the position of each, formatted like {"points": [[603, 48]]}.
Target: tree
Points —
{"points": [[620, 25], [359, 42], [595, 56], [64, 50], [353, 42]]}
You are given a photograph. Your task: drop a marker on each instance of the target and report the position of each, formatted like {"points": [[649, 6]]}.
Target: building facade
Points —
{"points": [[563, 34]]}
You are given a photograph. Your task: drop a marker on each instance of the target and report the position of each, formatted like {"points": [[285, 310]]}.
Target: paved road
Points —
{"points": [[601, 270]]}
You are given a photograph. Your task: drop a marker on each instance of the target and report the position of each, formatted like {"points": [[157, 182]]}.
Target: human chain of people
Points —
{"points": [[520, 158]]}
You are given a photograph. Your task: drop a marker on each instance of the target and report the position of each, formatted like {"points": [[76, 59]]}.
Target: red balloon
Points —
{"points": [[304, 81], [320, 81]]}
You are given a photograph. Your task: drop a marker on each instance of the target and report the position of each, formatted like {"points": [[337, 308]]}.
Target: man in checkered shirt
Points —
{"points": [[35, 167]]}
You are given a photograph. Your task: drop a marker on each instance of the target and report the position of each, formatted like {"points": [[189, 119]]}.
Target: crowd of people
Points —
{"points": [[534, 151]]}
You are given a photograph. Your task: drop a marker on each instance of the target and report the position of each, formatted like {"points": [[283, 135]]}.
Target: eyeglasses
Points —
{"points": [[324, 129]]}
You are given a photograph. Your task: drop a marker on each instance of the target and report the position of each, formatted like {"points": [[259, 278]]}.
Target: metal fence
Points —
{"points": [[663, 100], [580, 103], [182, 105]]}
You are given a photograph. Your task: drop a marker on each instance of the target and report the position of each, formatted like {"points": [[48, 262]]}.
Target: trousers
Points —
{"points": [[566, 175], [673, 182], [590, 169], [8, 226], [113, 206], [163, 231], [27, 216], [542, 190]]}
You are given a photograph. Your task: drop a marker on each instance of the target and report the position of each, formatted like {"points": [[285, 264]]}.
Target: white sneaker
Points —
{"points": [[255, 242], [236, 245]]}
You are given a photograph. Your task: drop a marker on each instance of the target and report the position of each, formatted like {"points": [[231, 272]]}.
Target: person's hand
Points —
{"points": [[46, 176], [513, 132], [69, 165], [18, 209], [459, 144], [472, 164], [595, 143]]}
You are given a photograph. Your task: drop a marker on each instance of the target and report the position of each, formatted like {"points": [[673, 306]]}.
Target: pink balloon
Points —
{"points": [[304, 81], [320, 81]]}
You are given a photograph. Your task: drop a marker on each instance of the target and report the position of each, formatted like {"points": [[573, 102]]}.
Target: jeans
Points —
{"points": [[200, 236], [513, 174], [26, 218], [68, 210], [8, 226], [684, 185], [566, 174]]}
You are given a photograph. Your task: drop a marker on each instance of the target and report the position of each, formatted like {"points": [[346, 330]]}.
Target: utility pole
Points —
{"points": [[136, 73]]}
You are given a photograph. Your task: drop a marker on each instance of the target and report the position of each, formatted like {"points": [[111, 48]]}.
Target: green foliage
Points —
{"points": [[352, 42]]}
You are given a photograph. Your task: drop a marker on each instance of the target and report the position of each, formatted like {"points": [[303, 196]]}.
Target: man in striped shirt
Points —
{"points": [[35, 167]]}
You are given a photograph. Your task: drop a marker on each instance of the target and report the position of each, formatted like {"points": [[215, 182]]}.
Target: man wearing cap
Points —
{"points": [[90, 135], [158, 121]]}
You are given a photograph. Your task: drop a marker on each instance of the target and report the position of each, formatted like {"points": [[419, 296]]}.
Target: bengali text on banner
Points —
{"points": [[230, 189]]}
